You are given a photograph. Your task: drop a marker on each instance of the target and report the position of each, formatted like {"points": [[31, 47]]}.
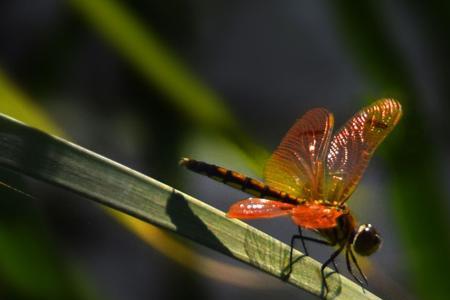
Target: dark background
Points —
{"points": [[261, 64]]}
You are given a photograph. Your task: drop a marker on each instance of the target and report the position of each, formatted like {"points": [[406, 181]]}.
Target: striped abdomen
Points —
{"points": [[238, 181]]}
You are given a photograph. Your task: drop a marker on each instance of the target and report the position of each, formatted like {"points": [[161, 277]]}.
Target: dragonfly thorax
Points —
{"points": [[344, 231]]}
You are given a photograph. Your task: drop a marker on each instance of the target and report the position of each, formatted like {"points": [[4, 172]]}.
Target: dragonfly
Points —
{"points": [[311, 176]]}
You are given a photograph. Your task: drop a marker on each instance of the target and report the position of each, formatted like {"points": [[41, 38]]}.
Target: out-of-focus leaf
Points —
{"points": [[29, 266], [58, 162], [417, 198], [15, 103], [140, 46], [183, 254]]}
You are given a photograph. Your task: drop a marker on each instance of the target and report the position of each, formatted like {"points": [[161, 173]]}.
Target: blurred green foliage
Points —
{"points": [[152, 59], [417, 199], [30, 265]]}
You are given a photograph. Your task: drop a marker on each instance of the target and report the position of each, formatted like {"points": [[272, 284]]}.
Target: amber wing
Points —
{"points": [[310, 215], [255, 208], [353, 145], [297, 165]]}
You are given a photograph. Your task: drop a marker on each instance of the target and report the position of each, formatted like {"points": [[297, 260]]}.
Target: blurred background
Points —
{"points": [[147, 82]]}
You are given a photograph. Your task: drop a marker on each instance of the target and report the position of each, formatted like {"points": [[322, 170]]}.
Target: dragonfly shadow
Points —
{"points": [[269, 254], [286, 272], [333, 286], [189, 225], [273, 256]]}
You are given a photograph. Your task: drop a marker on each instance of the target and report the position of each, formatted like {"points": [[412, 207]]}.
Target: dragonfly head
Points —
{"points": [[366, 240]]}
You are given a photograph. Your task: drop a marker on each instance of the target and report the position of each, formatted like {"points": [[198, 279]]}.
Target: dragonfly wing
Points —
{"points": [[253, 208], [316, 216], [297, 165], [353, 145]]}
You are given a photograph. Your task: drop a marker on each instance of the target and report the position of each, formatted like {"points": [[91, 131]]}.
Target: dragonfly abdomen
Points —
{"points": [[237, 180]]}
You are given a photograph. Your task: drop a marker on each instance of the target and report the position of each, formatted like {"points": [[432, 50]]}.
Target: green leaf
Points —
{"points": [[58, 162]]}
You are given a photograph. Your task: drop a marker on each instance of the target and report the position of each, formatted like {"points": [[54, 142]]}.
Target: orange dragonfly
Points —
{"points": [[310, 177]]}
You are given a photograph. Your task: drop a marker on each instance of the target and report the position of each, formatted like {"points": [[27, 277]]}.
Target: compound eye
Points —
{"points": [[366, 240]]}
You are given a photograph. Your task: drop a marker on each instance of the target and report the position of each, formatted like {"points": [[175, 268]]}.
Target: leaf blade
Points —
{"points": [[58, 162]]}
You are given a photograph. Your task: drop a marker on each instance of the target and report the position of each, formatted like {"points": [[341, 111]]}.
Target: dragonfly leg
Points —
{"points": [[352, 256], [294, 237], [335, 266], [327, 262], [303, 239]]}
